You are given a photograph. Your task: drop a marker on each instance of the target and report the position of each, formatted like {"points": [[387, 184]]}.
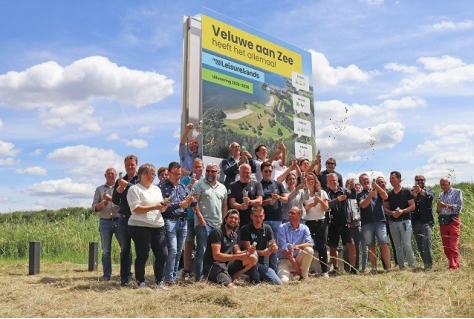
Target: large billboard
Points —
{"points": [[255, 89]]}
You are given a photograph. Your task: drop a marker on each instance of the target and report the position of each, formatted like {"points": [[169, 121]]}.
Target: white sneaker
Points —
{"points": [[325, 275], [161, 286], [142, 285]]}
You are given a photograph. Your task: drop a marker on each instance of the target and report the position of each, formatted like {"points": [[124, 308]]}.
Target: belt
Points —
{"points": [[111, 219], [316, 220], [179, 219]]}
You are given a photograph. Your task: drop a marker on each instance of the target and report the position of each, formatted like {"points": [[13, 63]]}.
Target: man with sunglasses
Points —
{"points": [[422, 219], [211, 207], [330, 168], [274, 194]]}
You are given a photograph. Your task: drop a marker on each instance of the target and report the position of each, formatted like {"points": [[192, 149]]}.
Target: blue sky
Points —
{"points": [[83, 84]]}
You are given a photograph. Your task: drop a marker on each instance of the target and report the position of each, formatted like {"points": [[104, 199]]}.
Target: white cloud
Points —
{"points": [[36, 152], [136, 143], [443, 130], [442, 72], [440, 63], [61, 187], [404, 103], [373, 2], [347, 142], [112, 137], [341, 114], [64, 95], [177, 133], [35, 170], [7, 161], [401, 68], [144, 129], [8, 149], [449, 25], [1, 124], [80, 115], [86, 160], [325, 76], [451, 152]]}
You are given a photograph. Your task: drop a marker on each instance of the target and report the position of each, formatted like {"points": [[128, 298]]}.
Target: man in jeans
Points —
{"points": [[211, 207], [422, 219], [261, 237], [109, 217], [175, 219], [119, 197], [274, 194], [372, 218], [398, 206]]}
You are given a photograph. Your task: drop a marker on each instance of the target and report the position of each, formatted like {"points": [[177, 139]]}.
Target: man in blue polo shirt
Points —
{"points": [[295, 247]]}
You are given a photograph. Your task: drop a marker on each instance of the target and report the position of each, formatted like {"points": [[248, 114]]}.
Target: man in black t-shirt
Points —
{"points": [[261, 237], [398, 206], [223, 260]]}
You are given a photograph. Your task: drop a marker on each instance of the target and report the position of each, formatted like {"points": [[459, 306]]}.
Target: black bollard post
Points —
{"points": [[93, 253], [34, 266]]}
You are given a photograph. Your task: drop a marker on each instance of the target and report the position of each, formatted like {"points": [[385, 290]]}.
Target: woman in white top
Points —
{"points": [[316, 206], [146, 225]]}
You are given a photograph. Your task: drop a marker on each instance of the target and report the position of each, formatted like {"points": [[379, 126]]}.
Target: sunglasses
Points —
{"points": [[419, 180], [267, 171], [211, 171]]}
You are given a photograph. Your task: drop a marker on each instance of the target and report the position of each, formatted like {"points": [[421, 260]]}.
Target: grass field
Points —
{"points": [[69, 290], [64, 287]]}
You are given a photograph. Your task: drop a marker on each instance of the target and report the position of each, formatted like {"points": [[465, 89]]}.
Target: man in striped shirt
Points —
{"points": [[449, 206]]}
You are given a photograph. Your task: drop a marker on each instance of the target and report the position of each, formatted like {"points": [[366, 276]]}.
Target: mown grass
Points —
{"points": [[64, 287]]}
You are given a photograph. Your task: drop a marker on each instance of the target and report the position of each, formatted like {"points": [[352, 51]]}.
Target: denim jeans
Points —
{"points": [[125, 243], [107, 228], [275, 225], [202, 232], [175, 236], [401, 232], [423, 233], [266, 274]]}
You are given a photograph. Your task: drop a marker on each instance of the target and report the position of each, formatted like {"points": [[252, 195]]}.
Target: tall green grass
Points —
{"points": [[65, 234]]}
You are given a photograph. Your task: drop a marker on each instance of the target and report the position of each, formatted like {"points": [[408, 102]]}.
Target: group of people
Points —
{"points": [[267, 221]]}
